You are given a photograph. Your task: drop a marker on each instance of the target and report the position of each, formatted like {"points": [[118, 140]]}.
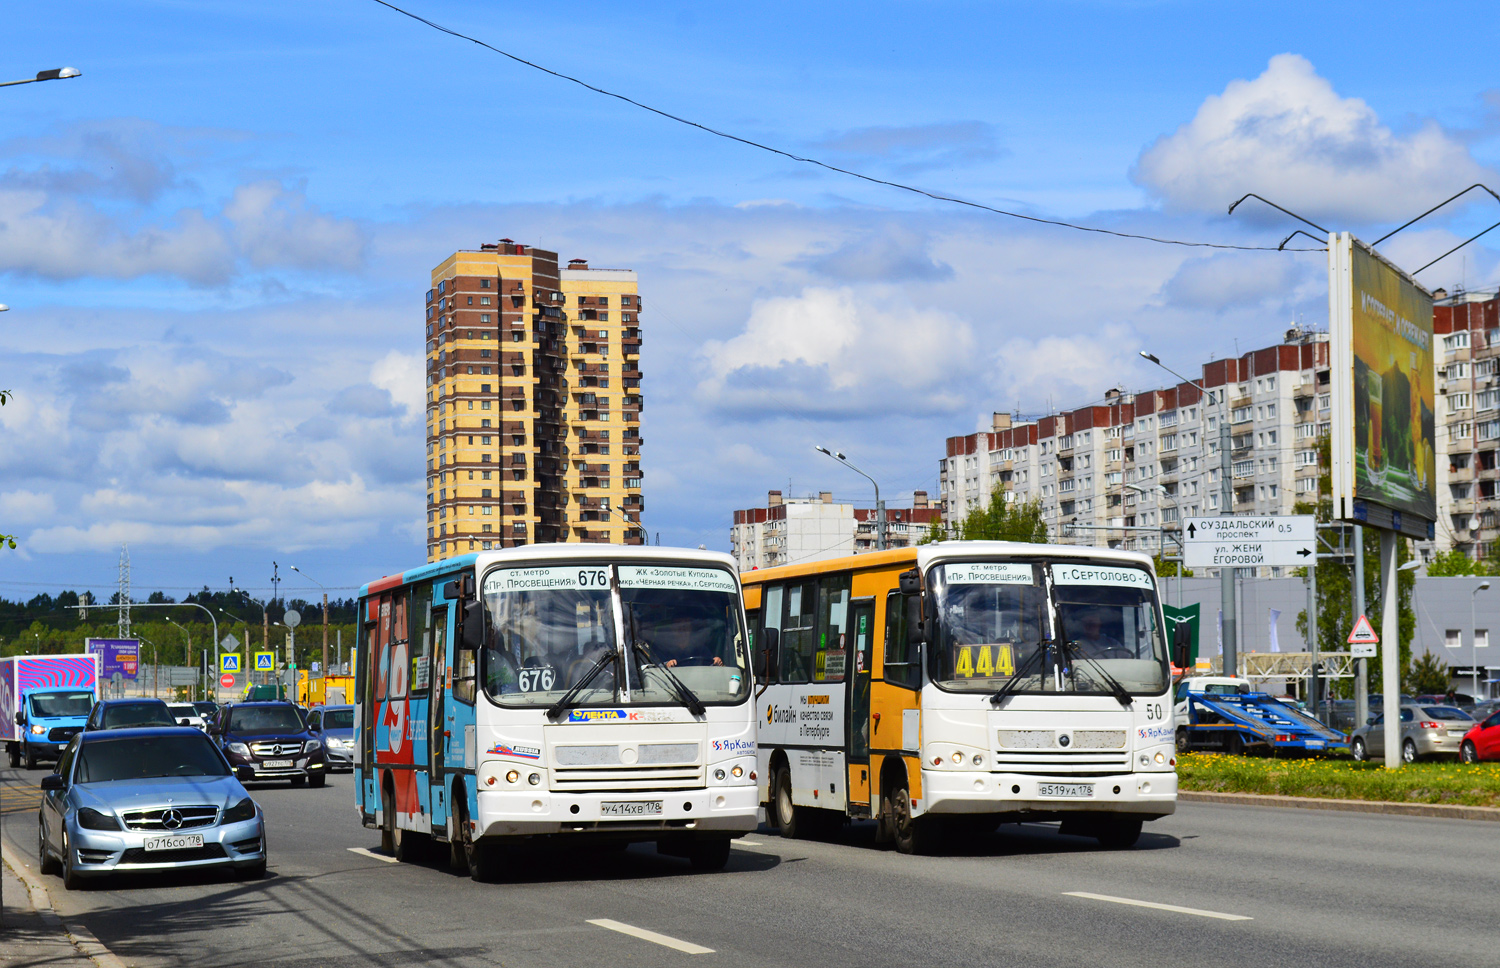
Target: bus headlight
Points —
{"points": [[514, 776], [1161, 758], [737, 772], [719, 775], [958, 758], [534, 779]]}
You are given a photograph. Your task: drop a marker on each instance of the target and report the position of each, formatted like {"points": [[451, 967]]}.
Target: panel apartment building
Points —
{"points": [[1124, 473], [1466, 326], [796, 530], [533, 402]]}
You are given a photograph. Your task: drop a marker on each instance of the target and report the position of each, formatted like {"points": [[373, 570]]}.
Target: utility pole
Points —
{"points": [[1361, 674]]}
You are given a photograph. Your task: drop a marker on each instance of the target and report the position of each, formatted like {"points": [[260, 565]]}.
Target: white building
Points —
{"points": [[796, 530]]}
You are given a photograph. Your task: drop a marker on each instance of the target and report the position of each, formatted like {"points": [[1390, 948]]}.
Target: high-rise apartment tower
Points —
{"points": [[533, 402]]}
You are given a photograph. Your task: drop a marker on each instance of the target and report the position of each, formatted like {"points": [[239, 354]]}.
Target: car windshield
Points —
{"points": [[182, 710], [184, 753], [1448, 713], [48, 705], [264, 719], [338, 719], [138, 714], [550, 626], [205, 708], [993, 624]]}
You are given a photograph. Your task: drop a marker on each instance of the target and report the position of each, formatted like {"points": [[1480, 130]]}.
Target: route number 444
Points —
{"points": [[985, 660]]}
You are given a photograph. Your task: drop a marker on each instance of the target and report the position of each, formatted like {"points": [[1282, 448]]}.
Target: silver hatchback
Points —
{"points": [[1425, 731], [146, 800]]}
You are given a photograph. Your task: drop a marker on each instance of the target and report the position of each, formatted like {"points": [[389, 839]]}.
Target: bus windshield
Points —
{"points": [[552, 627], [1052, 625]]}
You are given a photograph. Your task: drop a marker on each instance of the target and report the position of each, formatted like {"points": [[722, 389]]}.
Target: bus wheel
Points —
{"points": [[792, 819], [709, 855], [914, 835], [1118, 832], [390, 834]]}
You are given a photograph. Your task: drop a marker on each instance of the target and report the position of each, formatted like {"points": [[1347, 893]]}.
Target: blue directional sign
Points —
{"points": [[229, 662], [265, 662]]}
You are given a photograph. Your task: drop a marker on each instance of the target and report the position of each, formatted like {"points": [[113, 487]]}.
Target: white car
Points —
{"points": [[186, 714]]}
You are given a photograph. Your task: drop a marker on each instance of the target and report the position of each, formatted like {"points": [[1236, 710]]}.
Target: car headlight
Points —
{"points": [[311, 746], [91, 819], [38, 730], [239, 749], [244, 810]]}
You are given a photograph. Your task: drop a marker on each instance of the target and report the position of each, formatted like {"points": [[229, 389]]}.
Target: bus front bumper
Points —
{"points": [[726, 809], [1151, 795]]}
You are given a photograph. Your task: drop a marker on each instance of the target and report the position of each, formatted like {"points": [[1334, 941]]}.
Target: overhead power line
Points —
{"points": [[935, 196]]}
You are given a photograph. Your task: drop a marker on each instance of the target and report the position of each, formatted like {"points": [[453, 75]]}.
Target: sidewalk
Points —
{"points": [[32, 938], [29, 937]]}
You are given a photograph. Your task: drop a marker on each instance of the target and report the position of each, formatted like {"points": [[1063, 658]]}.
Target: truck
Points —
{"points": [[1225, 714], [44, 701]]}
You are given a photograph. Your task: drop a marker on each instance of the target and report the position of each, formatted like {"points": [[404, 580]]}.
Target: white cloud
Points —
{"points": [[276, 227], [1063, 372], [1289, 136], [403, 376], [25, 507], [855, 351]]}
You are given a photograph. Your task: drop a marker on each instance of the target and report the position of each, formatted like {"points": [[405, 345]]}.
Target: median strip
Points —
{"points": [[1159, 907], [677, 944]]}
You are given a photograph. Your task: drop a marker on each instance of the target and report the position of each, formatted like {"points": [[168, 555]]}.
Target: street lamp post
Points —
{"points": [[879, 504], [1474, 641], [56, 74], [189, 646], [325, 614], [1226, 500]]}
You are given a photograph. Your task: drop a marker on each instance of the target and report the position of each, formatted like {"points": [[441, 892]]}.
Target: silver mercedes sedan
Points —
{"points": [[161, 798]]}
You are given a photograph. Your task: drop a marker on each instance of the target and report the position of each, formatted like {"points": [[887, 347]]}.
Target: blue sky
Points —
{"points": [[216, 241]]}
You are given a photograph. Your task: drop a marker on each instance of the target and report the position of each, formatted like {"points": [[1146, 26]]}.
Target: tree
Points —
{"points": [[1171, 568], [1453, 563], [1000, 520], [1429, 674], [1335, 591]]}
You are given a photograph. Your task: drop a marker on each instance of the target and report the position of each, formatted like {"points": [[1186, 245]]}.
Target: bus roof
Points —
{"points": [[925, 556], [551, 552]]}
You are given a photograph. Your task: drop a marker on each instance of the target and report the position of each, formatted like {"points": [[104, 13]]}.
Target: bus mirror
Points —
{"points": [[1182, 645], [471, 636], [911, 582], [450, 590], [772, 653], [460, 589]]}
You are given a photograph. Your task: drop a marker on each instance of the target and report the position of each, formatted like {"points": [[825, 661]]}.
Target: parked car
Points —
{"points": [[128, 713], [1482, 741], [334, 725], [206, 708], [1485, 709], [152, 799], [186, 714], [1425, 731], [1460, 699], [272, 738]]}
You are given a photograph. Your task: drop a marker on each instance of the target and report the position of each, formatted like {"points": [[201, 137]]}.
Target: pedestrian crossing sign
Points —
{"points": [[265, 662], [229, 662]]}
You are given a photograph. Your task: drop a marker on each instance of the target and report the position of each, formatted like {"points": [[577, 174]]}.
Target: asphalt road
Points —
{"points": [[1317, 888]]}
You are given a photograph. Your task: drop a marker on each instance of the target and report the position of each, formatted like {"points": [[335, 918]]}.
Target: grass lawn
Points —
{"points": [[1476, 785]]}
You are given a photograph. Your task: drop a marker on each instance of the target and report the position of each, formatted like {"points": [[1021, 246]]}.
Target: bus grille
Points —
{"points": [[612, 779], [1087, 752]]}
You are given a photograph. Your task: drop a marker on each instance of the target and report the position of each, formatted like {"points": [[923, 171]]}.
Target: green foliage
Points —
{"points": [[1476, 784], [1336, 598], [1000, 520], [1171, 568], [1455, 563], [1429, 674]]}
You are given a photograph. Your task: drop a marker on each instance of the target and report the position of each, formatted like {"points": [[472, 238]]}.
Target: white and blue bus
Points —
{"points": [[580, 692]]}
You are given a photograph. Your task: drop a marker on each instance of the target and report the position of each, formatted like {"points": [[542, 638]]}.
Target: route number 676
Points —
{"points": [[593, 578]]}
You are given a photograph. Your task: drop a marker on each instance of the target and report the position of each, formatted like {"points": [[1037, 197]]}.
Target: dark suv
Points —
{"points": [[128, 714], [271, 737]]}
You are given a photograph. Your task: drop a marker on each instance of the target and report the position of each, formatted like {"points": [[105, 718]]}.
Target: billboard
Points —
{"points": [[1381, 359], [122, 656]]}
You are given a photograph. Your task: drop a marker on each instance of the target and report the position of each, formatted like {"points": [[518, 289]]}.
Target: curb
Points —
{"points": [[82, 938], [1444, 810]]}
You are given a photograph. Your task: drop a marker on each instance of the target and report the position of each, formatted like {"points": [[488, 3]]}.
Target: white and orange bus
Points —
{"points": [[960, 685]]}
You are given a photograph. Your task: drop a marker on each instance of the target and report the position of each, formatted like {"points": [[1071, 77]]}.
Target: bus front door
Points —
{"points": [[437, 727], [862, 623]]}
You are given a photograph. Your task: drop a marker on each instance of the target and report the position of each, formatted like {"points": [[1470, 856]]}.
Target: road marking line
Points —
{"points": [[684, 946], [1160, 907], [367, 852], [749, 843]]}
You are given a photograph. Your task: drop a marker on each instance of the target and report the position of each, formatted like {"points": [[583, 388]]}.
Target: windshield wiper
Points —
{"points": [[1121, 694], [684, 694], [1015, 680], [562, 705]]}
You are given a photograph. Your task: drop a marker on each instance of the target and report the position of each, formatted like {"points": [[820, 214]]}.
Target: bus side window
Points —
{"points": [[799, 632], [901, 638]]}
